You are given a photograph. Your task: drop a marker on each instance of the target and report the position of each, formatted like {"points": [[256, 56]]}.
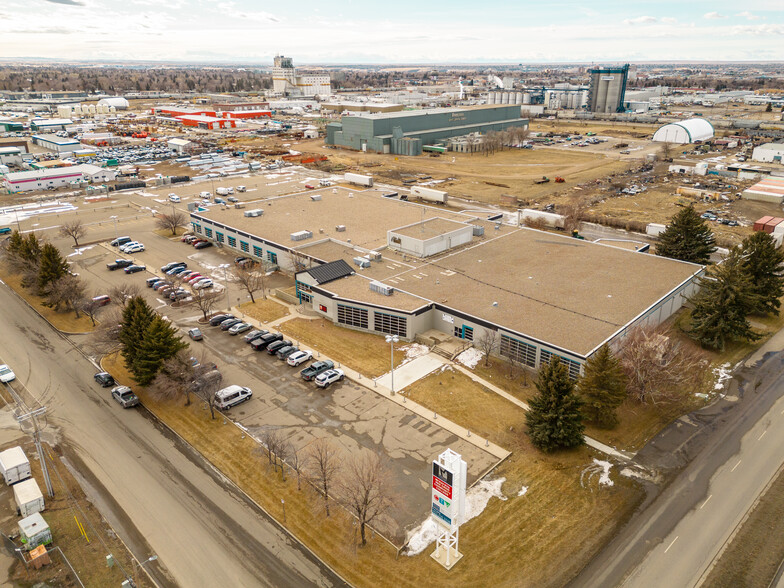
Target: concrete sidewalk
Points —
{"points": [[410, 372]]}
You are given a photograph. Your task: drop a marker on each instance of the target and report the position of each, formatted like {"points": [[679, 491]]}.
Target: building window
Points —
{"points": [[571, 365], [464, 332], [272, 257], [354, 317], [305, 297], [518, 351], [244, 246], [197, 228], [219, 236], [208, 232], [258, 251], [390, 324], [232, 242], [322, 308]]}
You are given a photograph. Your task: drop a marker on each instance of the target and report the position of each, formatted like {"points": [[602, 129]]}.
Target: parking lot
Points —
{"points": [[354, 416]]}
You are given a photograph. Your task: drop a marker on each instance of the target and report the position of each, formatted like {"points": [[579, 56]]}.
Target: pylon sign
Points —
{"points": [[448, 490]]}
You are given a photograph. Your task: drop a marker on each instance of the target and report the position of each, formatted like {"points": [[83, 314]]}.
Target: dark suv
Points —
{"points": [[264, 340], [219, 318], [104, 379]]}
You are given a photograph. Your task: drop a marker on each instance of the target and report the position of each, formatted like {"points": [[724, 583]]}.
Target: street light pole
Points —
{"points": [[225, 268], [141, 565], [392, 339], [114, 218]]}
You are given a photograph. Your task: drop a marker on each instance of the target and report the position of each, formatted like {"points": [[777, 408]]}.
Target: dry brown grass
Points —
{"points": [[366, 353], [62, 321], [550, 532], [264, 310]]}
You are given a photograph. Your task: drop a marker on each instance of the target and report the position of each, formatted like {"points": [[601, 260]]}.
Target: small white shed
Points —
{"points": [[28, 497], [34, 531], [14, 465]]}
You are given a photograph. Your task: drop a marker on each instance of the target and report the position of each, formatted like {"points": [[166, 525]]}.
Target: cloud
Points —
{"points": [[67, 2], [748, 15], [713, 15], [640, 20], [760, 29], [668, 20]]}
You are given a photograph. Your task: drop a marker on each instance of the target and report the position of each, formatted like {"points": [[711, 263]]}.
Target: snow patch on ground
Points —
{"points": [[414, 350], [476, 501], [523, 491], [470, 357], [640, 474], [602, 468], [445, 368], [80, 250], [722, 374]]}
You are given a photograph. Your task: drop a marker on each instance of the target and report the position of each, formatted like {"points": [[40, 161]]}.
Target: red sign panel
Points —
{"points": [[442, 487]]}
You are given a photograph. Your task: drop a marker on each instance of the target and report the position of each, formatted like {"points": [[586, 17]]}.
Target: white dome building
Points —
{"points": [[686, 131], [118, 102]]}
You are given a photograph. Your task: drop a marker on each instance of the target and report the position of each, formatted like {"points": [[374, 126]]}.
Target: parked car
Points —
{"points": [[229, 323], [176, 271], [6, 374], [219, 200], [219, 318], [189, 239], [326, 378], [187, 236], [202, 245], [272, 348], [172, 265], [195, 334], [254, 334], [132, 269], [152, 281], [239, 328], [264, 340], [160, 284], [285, 351], [315, 369], [241, 188], [101, 300], [232, 199], [105, 379], [120, 241], [231, 396], [194, 277], [205, 283], [179, 294], [298, 357], [118, 264], [125, 396], [137, 248], [124, 246], [174, 198]]}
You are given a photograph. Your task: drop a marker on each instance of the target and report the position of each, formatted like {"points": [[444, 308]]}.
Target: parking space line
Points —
{"points": [[736, 465], [671, 544]]}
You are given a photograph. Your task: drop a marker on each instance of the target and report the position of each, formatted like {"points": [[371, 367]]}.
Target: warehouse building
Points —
{"points": [[118, 102], [405, 133], [9, 126], [607, 88], [392, 267], [691, 130], [768, 153], [57, 144], [201, 121], [286, 81], [50, 179], [11, 156], [49, 125]]}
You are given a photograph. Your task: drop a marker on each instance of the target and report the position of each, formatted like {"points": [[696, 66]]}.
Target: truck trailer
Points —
{"points": [[429, 195], [358, 179]]}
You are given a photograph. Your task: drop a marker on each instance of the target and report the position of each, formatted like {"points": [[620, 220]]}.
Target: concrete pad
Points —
{"points": [[412, 371]]}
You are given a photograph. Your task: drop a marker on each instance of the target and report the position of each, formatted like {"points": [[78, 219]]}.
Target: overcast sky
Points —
{"points": [[393, 31]]}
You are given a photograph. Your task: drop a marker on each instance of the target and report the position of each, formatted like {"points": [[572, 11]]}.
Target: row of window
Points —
{"points": [[353, 317], [244, 246], [518, 351], [571, 365], [390, 324]]}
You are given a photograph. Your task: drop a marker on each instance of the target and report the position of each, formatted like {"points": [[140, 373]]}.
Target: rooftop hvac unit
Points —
{"points": [[375, 255], [362, 262], [340, 228], [301, 235], [478, 231], [381, 288], [315, 197]]}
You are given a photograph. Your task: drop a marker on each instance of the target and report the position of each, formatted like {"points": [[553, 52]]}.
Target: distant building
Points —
{"points": [[686, 131], [607, 89], [181, 145], [9, 126], [50, 179], [49, 124], [405, 133], [55, 143], [118, 102], [769, 153], [286, 80], [10, 156]]}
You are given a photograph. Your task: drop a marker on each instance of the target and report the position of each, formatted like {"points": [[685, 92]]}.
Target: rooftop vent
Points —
{"points": [[362, 262], [301, 235], [478, 231], [375, 255], [381, 288], [340, 228], [315, 197]]}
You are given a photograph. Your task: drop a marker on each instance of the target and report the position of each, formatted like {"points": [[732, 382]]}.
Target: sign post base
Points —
{"points": [[440, 555]]}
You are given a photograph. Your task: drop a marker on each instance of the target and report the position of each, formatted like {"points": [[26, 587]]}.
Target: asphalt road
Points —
{"points": [[733, 449], [161, 498]]}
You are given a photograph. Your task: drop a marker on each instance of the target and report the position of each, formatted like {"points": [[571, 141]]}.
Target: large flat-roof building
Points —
{"points": [[57, 144], [405, 133], [607, 88], [50, 179], [415, 268], [287, 81]]}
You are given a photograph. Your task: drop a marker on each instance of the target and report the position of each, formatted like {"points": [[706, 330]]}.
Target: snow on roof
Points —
{"points": [[697, 129]]}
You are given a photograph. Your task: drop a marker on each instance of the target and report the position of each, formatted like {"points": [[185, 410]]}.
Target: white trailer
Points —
{"points": [[14, 465], [551, 219], [429, 195], [28, 497], [358, 179], [222, 191]]}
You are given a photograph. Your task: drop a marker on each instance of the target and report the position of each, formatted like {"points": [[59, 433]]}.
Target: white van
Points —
{"points": [[205, 195], [231, 396], [174, 198], [241, 188], [222, 191]]}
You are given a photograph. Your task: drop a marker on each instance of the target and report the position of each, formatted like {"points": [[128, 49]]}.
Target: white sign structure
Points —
{"points": [[448, 505]]}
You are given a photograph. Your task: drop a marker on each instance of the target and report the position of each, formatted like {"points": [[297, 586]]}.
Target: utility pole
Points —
{"points": [[31, 416]]}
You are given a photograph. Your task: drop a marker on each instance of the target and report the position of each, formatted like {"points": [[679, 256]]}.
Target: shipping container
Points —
{"points": [[772, 223], [14, 465], [28, 497], [760, 224]]}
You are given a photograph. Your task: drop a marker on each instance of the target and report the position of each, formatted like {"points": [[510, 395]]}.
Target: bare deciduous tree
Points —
{"points": [[171, 221], [325, 463], [574, 212], [73, 229], [67, 291], [273, 444], [207, 382], [90, 307], [176, 378], [298, 460], [659, 368], [251, 280], [366, 488], [105, 338], [205, 300], [124, 292], [487, 343], [301, 261]]}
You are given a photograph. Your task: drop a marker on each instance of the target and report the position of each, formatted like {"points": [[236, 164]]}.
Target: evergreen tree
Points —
{"points": [[160, 343], [53, 266], [687, 238], [764, 265], [137, 316], [554, 420], [720, 307], [603, 387], [15, 242], [30, 248]]}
